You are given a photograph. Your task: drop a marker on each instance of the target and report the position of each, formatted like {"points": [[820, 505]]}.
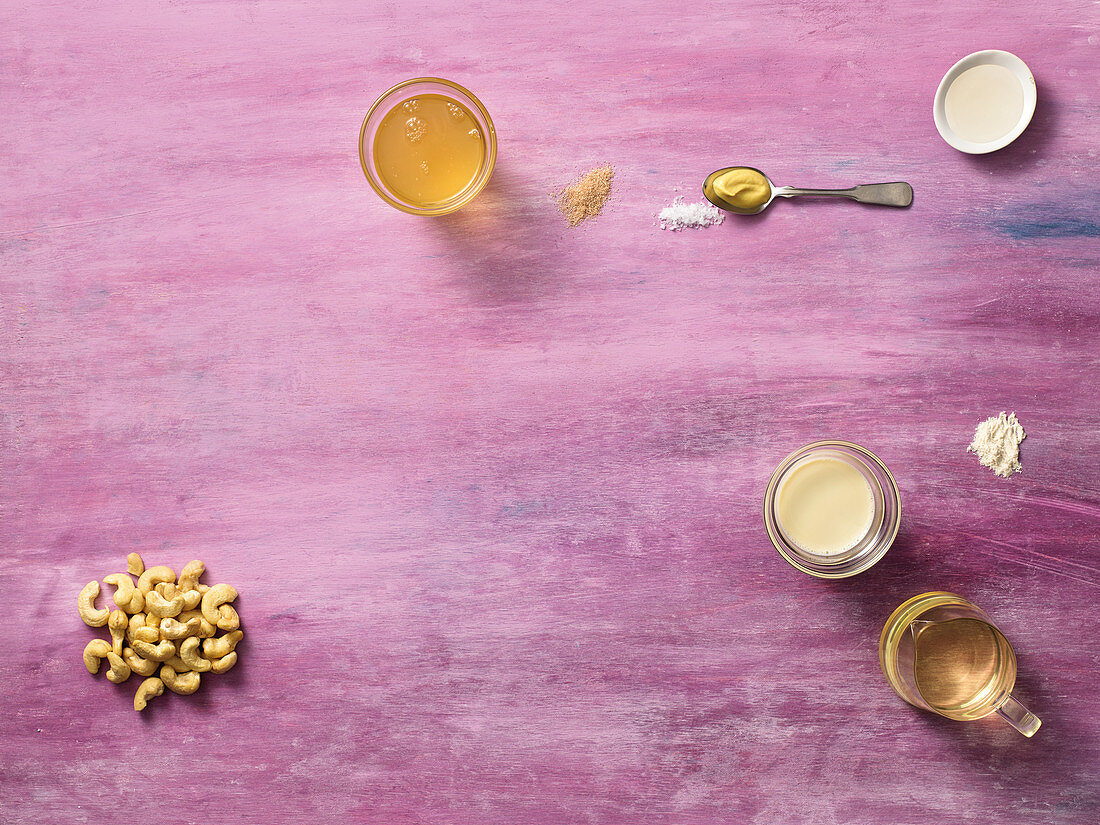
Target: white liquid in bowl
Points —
{"points": [[825, 506], [984, 103]]}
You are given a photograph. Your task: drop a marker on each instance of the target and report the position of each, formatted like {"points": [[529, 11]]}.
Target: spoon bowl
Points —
{"points": [[721, 202], [898, 193]]}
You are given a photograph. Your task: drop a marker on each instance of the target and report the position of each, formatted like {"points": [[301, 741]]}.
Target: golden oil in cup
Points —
{"points": [[941, 653], [427, 146]]}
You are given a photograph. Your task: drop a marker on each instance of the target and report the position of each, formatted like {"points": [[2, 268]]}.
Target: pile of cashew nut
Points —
{"points": [[161, 623]]}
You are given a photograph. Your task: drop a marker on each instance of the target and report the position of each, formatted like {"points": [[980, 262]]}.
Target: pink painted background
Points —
{"points": [[490, 487]]}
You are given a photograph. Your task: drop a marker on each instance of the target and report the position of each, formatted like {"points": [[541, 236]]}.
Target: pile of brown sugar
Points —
{"points": [[584, 198]]}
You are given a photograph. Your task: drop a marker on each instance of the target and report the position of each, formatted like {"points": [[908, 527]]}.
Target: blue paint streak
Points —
{"points": [[1065, 226]]}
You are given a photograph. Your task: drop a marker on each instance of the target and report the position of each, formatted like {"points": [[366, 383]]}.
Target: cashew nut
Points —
{"points": [[228, 618], [214, 598], [127, 596], [171, 629], [190, 574], [120, 671], [206, 630], [139, 630], [85, 606], [155, 575], [161, 652], [167, 590], [95, 652], [137, 604], [156, 605], [191, 599], [153, 622], [142, 667], [189, 654], [221, 646], [149, 635], [182, 683], [147, 690], [118, 623], [224, 663], [177, 664], [134, 564], [124, 588], [202, 588]]}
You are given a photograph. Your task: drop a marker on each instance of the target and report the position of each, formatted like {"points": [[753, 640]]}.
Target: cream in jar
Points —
{"points": [[832, 509]]}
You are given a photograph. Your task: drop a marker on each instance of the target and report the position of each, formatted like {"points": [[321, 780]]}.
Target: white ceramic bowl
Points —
{"points": [[998, 58]]}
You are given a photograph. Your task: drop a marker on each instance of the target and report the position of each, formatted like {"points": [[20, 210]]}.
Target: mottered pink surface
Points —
{"points": [[490, 487]]}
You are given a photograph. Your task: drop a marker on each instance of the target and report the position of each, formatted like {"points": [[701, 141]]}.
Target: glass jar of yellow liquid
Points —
{"points": [[832, 509], [427, 146], [941, 653]]}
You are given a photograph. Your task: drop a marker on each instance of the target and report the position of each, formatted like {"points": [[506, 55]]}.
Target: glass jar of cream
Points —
{"points": [[832, 509]]}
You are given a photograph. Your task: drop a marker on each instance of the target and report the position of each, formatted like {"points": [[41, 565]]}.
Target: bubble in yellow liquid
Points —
{"points": [[415, 129], [425, 151]]}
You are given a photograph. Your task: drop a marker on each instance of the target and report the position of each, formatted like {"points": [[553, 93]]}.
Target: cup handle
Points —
{"points": [[1019, 717]]}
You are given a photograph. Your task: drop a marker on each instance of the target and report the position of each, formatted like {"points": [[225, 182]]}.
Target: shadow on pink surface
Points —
{"points": [[1050, 759], [501, 245], [210, 699]]}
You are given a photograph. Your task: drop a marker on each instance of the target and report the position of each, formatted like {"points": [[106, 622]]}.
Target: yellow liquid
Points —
{"points": [[825, 506], [428, 149], [958, 665]]}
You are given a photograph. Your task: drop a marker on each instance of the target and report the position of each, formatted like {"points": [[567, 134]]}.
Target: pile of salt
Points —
{"points": [[680, 215]]}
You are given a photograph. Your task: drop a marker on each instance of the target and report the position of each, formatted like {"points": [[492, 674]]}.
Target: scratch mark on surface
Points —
{"points": [[90, 222], [1079, 507], [990, 301], [1023, 550]]}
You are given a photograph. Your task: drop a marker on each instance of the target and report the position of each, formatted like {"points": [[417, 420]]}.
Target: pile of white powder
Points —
{"points": [[997, 443], [680, 215]]}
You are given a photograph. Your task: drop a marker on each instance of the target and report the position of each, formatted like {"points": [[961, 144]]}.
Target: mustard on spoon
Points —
{"points": [[747, 191]]}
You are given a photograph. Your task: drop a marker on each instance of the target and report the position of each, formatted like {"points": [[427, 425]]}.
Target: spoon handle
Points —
{"points": [[884, 194]]}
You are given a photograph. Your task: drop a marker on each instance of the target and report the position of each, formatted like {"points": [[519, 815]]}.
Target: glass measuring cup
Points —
{"points": [[941, 653]]}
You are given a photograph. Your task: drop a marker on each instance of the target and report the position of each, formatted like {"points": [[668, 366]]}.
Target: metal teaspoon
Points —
{"points": [[884, 194]]}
